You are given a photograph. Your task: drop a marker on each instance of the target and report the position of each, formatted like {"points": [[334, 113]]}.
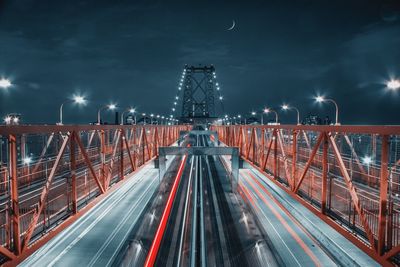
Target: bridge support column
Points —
{"points": [[12, 142], [324, 174], [73, 172], [383, 196]]}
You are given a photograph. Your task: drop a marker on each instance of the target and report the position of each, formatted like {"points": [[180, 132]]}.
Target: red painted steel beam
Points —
{"points": [[88, 163], [43, 195], [14, 194], [359, 129], [352, 191], [8, 254], [324, 173], [383, 196], [314, 151], [73, 172]]}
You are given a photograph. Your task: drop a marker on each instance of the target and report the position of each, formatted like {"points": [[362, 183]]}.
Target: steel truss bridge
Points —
{"points": [[323, 167], [312, 185]]}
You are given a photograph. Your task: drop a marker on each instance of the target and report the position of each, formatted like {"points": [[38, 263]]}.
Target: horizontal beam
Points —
{"points": [[198, 132], [199, 151], [30, 129], [360, 129]]}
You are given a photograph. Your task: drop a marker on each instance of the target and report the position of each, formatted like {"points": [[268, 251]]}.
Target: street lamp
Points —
{"points": [[130, 110], [268, 110], [7, 120], [151, 118], [144, 118], [76, 99], [321, 99], [265, 110], [5, 83], [393, 84], [287, 107], [110, 107]]}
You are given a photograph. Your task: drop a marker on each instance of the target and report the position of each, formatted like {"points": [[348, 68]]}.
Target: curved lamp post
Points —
{"points": [[110, 107], [75, 99], [321, 99]]}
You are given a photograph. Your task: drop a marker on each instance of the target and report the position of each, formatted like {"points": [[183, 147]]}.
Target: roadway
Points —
{"points": [[95, 238]]}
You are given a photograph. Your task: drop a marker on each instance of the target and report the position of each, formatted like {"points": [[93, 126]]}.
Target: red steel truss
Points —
{"points": [[348, 175], [51, 175]]}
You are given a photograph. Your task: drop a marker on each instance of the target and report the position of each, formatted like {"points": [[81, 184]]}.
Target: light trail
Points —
{"points": [[155, 245]]}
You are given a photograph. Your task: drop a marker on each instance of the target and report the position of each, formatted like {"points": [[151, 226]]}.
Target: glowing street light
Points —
{"points": [[265, 110], [109, 107], [268, 110], [130, 110], [393, 84], [7, 120], [287, 107], [76, 99], [5, 83], [321, 99]]}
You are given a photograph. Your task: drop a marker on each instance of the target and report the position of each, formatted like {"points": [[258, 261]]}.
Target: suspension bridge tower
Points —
{"points": [[198, 100]]}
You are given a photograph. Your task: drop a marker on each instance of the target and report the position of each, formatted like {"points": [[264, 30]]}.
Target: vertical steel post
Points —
{"points": [[73, 172], [294, 159], [383, 197], [275, 153], [12, 141], [121, 151], [324, 174], [261, 151], [103, 159]]}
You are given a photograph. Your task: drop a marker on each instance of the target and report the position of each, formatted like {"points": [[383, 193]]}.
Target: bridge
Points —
{"points": [[199, 190]]}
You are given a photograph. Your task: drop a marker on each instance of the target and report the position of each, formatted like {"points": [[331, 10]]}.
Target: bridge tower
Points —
{"points": [[198, 101]]}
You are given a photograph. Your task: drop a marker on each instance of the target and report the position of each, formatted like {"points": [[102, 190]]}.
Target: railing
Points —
{"points": [[48, 174], [348, 175]]}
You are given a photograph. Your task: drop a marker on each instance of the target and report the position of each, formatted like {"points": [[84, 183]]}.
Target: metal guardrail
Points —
{"points": [[348, 175], [50, 174]]}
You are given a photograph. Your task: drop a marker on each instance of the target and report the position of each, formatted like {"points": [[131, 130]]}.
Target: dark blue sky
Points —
{"points": [[133, 52]]}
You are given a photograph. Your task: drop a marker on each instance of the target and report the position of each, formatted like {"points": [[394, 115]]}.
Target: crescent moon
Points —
{"points": [[233, 25]]}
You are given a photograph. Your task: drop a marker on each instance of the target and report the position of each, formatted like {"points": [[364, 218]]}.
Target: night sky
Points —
{"points": [[133, 53]]}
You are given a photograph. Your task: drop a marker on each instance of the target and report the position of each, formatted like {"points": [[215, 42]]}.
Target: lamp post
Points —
{"points": [[130, 110], [110, 107], [151, 118], [265, 110], [75, 99], [321, 99], [268, 110], [287, 107], [144, 118]]}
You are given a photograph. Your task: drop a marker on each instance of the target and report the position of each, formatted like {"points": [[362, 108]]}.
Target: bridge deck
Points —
{"points": [[95, 238]]}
